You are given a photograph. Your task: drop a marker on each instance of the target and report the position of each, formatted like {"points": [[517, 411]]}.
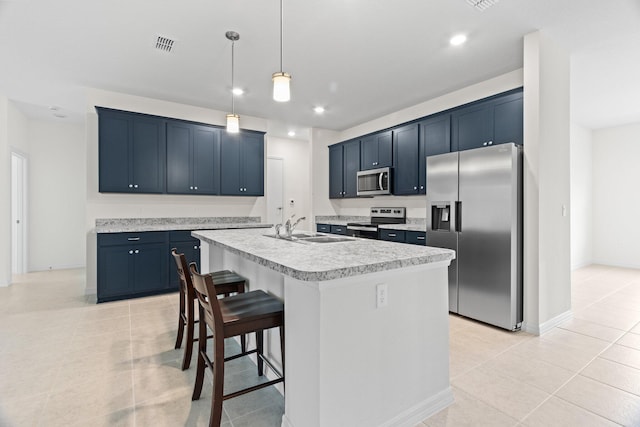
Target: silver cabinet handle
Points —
{"points": [[422, 187], [137, 251], [490, 142], [415, 188], [135, 185], [133, 239], [195, 188], [420, 237], [392, 234], [130, 185], [195, 247], [191, 187], [130, 252]]}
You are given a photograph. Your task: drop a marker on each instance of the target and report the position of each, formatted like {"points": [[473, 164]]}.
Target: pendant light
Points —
{"points": [[281, 80], [233, 120]]}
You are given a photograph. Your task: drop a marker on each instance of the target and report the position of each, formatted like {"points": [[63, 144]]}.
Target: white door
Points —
{"points": [[18, 213], [275, 190]]}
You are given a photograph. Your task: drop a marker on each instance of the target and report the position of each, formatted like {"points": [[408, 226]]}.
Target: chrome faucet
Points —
{"points": [[289, 227], [278, 227]]}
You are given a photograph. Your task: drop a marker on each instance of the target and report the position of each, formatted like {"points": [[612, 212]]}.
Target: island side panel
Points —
{"points": [[367, 366]]}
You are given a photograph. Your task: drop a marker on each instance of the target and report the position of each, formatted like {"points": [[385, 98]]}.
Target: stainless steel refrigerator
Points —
{"points": [[474, 206]]}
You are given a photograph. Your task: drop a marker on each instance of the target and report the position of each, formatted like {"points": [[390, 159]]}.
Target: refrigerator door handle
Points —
{"points": [[458, 216]]}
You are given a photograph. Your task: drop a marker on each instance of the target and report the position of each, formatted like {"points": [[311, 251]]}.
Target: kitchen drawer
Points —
{"points": [[339, 229], [112, 239], [392, 235], [323, 228], [416, 237]]}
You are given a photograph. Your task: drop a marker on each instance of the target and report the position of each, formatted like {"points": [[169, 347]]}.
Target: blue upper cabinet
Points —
{"points": [[376, 151], [406, 147], [131, 152], [494, 121], [242, 163], [193, 158], [344, 163], [435, 138]]}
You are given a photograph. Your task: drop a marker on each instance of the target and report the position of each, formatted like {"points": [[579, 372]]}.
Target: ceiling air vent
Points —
{"points": [[482, 4], [164, 44]]}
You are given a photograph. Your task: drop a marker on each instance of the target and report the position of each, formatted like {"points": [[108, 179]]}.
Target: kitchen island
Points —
{"points": [[367, 329]]}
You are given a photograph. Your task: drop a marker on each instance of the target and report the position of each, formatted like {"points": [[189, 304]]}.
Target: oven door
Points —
{"points": [[362, 232]]}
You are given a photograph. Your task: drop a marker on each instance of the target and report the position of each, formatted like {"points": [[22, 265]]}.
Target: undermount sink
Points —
{"points": [[313, 238]]}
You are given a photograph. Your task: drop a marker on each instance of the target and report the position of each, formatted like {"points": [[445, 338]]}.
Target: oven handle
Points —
{"points": [[358, 228]]}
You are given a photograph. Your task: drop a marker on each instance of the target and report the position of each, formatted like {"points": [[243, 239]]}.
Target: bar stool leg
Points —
{"points": [[180, 319], [260, 348], [218, 381], [202, 349], [186, 360]]}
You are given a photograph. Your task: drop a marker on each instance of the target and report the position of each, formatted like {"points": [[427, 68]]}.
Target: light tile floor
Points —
{"points": [[67, 361]]}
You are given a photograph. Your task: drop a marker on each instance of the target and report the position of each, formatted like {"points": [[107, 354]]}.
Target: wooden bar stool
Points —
{"points": [[236, 315], [227, 282]]}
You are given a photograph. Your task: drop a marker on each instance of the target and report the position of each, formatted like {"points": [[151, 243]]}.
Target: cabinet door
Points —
{"points": [[205, 162], [230, 183], [113, 152], [508, 119], [150, 267], [335, 171], [339, 229], [376, 151], [392, 235], [179, 154], [416, 237], [472, 127], [435, 138], [148, 154], [405, 153], [323, 228], [253, 164], [351, 163], [115, 266]]}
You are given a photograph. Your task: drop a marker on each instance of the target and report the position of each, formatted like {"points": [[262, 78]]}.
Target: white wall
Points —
{"points": [[416, 205], [5, 195], [57, 173], [616, 204], [297, 177], [581, 197], [547, 246]]}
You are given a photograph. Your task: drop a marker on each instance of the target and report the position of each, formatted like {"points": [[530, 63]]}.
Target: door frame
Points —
{"points": [[269, 196], [19, 211]]}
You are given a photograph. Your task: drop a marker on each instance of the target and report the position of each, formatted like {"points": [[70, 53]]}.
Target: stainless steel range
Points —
{"points": [[379, 216]]}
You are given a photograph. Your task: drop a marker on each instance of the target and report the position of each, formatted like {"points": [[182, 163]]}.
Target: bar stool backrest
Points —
{"points": [[205, 293]]}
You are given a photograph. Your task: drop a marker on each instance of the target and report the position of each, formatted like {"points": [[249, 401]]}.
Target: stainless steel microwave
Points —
{"points": [[374, 182]]}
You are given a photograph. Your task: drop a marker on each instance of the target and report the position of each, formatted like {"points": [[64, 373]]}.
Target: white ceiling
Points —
{"points": [[361, 59]]}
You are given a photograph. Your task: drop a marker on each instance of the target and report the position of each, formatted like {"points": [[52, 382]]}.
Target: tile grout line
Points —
{"points": [[133, 382]]}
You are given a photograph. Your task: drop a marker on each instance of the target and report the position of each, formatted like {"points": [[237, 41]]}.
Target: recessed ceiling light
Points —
{"points": [[318, 109], [291, 133], [457, 40], [237, 91]]}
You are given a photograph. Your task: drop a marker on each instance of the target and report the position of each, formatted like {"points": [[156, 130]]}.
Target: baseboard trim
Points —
{"points": [[545, 327], [411, 416]]}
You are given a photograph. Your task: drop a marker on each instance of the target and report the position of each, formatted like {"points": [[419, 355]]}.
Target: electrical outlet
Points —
{"points": [[382, 296]]}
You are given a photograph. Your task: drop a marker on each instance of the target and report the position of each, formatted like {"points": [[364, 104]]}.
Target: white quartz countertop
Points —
{"points": [[407, 227], [134, 225], [322, 261]]}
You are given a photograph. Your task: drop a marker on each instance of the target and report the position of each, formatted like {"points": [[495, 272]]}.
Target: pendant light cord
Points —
{"points": [[281, 30], [233, 97]]}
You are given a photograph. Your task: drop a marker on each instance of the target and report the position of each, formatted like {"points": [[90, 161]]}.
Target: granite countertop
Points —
{"points": [[408, 227], [125, 225], [322, 261], [340, 219]]}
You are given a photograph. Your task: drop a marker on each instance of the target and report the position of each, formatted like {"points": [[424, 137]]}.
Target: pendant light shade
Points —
{"points": [[233, 123], [281, 80], [281, 89], [233, 120]]}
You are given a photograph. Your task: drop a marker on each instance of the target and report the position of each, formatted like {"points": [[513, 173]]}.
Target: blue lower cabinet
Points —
{"points": [[404, 236], [416, 237], [392, 235], [323, 228], [131, 265], [339, 229]]}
